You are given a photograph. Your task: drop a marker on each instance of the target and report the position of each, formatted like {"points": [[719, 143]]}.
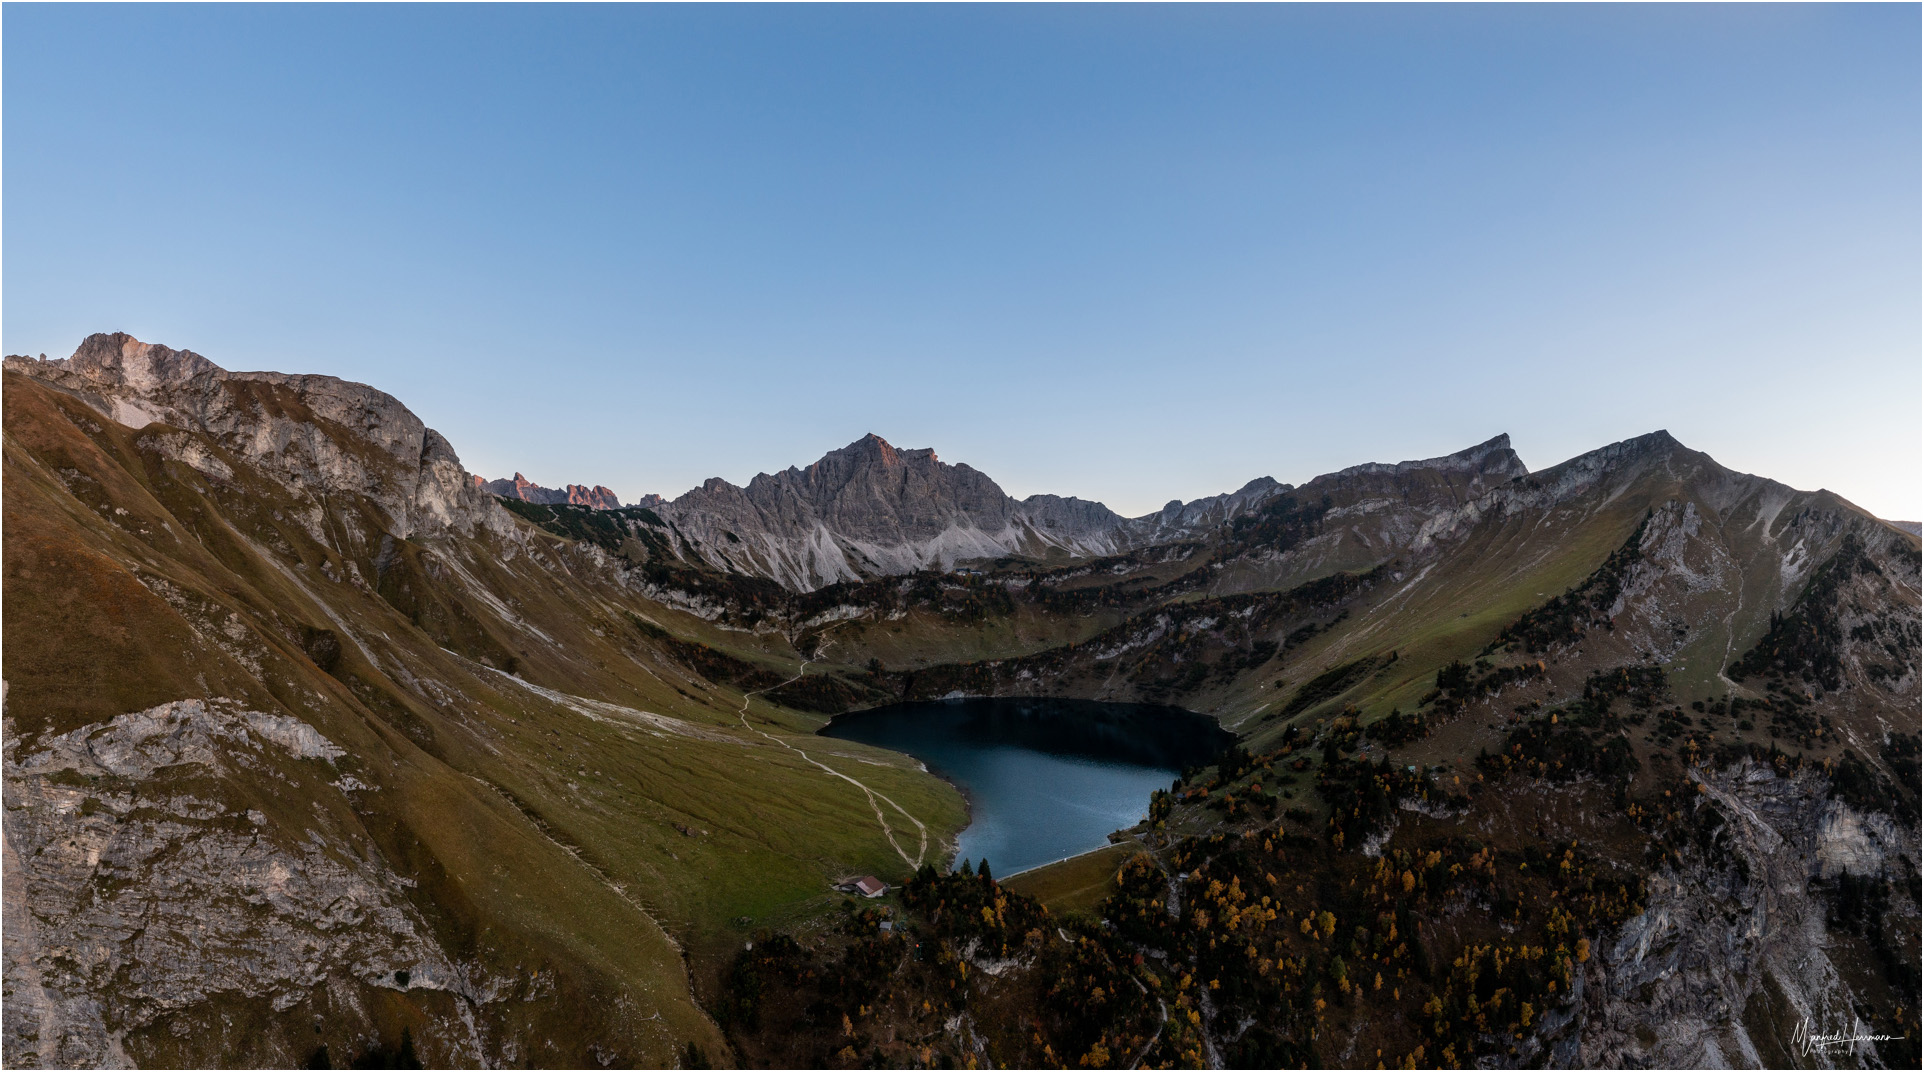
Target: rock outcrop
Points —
{"points": [[1737, 947], [314, 435], [139, 887], [597, 497]]}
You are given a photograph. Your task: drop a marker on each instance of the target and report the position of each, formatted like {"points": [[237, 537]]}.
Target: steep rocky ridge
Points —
{"points": [[1718, 553], [1179, 519], [872, 510], [313, 435]]}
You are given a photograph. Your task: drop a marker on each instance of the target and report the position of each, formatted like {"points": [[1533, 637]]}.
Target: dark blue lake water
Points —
{"points": [[1046, 779]]}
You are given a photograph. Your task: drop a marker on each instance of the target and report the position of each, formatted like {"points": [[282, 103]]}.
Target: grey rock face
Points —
{"points": [[1179, 518], [312, 434], [1733, 951], [138, 892]]}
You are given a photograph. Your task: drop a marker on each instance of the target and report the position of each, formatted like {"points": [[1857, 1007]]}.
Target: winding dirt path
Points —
{"points": [[922, 832]]}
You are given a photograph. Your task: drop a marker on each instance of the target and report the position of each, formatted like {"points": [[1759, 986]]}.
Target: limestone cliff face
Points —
{"points": [[137, 895], [1737, 946], [315, 435]]}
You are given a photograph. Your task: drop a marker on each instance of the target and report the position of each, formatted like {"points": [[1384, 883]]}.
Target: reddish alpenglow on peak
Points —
{"points": [[598, 497]]}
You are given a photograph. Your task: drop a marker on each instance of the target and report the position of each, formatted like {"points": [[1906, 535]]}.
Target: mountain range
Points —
{"points": [[319, 748], [872, 510]]}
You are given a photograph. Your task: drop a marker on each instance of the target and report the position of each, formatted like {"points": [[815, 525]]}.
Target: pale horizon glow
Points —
{"points": [[1129, 254]]}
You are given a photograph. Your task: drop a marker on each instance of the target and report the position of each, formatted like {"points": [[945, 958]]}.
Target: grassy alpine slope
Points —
{"points": [[380, 764], [570, 837]]}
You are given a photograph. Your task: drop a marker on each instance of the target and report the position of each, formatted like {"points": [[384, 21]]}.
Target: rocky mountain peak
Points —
{"points": [[1658, 442], [1491, 459], [526, 490], [872, 508], [599, 497], [119, 358], [314, 434], [848, 484], [869, 452], [881, 450], [1620, 460]]}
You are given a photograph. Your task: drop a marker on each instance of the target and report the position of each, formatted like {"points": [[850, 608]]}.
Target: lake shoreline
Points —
{"points": [[1044, 779]]}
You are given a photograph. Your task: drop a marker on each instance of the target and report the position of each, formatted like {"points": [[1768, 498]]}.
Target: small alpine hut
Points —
{"points": [[867, 886]]}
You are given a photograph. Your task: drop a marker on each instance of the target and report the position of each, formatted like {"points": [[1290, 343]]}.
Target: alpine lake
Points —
{"points": [[1046, 779]]}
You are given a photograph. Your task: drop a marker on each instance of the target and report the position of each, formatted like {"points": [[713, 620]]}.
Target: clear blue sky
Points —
{"points": [[1127, 253]]}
